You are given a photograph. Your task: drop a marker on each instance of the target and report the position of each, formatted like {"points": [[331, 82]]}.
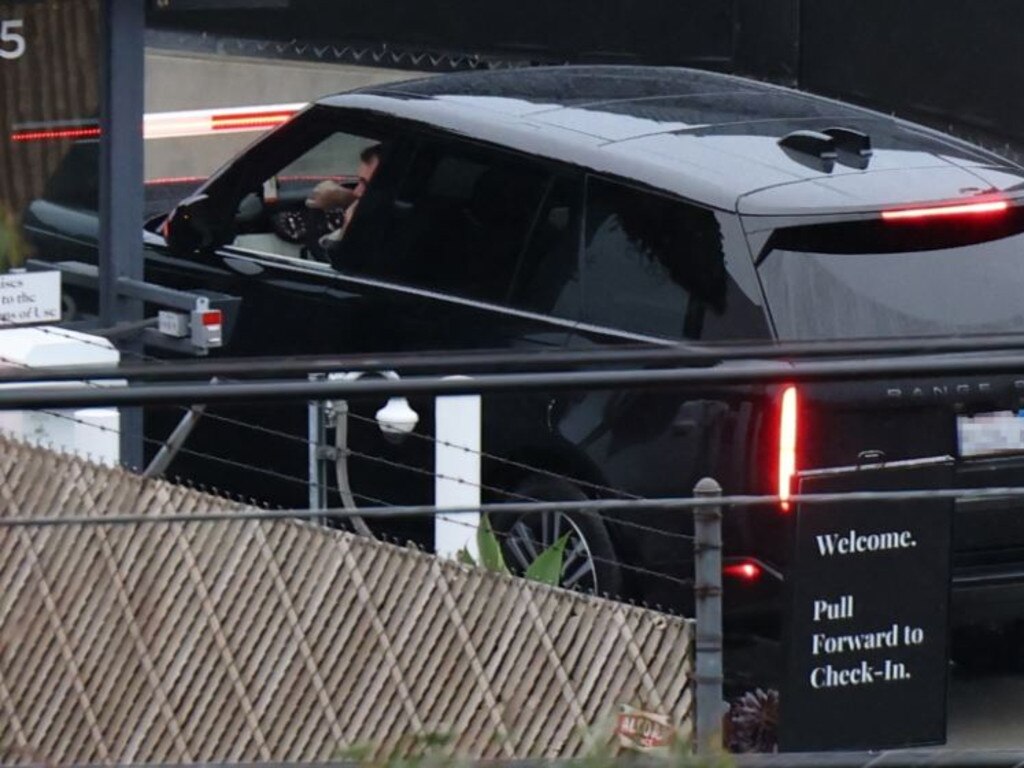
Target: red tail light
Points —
{"points": [[787, 444], [745, 571], [964, 209]]}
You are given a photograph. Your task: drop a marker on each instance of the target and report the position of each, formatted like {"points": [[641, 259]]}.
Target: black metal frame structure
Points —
{"points": [[121, 180]]}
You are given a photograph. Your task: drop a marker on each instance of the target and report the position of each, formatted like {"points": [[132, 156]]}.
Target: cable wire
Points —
{"points": [[358, 417], [377, 459], [368, 512], [491, 489], [512, 463]]}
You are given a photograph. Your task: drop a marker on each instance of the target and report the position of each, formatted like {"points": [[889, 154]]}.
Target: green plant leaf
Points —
{"points": [[489, 547], [463, 556], [547, 568], [435, 739], [12, 246]]}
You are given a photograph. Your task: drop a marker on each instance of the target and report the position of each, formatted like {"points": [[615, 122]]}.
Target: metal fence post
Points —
{"points": [[707, 546], [121, 188]]}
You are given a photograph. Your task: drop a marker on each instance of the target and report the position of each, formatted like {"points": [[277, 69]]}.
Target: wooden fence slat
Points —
{"points": [[248, 641]]}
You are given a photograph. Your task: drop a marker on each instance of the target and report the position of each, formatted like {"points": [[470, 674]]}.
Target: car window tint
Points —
{"points": [[459, 221], [652, 264], [548, 277]]}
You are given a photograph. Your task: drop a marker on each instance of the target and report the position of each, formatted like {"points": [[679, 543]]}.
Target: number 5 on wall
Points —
{"points": [[8, 37]]}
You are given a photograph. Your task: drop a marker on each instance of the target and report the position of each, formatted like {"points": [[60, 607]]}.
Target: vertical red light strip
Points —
{"points": [[787, 445]]}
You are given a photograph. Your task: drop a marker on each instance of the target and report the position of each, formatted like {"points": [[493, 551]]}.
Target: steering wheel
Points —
{"points": [[305, 225]]}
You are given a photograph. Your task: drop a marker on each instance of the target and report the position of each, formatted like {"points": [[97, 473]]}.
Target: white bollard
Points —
{"points": [[457, 472], [91, 432]]}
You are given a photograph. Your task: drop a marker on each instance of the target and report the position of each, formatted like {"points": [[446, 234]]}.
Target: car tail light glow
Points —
{"points": [[963, 209], [745, 571], [787, 444]]}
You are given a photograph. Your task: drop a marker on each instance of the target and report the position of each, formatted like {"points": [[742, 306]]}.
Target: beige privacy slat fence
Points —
{"points": [[259, 641]]}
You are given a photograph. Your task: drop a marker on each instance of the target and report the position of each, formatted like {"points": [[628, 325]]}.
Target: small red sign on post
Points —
{"points": [[644, 731]]}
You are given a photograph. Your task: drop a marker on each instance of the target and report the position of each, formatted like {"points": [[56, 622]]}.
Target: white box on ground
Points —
{"points": [[91, 432], [457, 473], [29, 297]]}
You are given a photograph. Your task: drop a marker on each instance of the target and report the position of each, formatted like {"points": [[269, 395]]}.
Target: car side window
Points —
{"points": [[655, 265], [303, 200], [459, 221], [547, 279]]}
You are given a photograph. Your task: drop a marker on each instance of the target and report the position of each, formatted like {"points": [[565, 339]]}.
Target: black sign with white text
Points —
{"points": [[869, 601]]}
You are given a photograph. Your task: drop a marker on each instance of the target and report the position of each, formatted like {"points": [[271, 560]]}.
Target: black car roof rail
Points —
{"points": [[815, 143], [849, 140], [826, 147]]}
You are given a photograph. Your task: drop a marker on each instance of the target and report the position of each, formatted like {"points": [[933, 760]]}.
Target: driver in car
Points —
{"points": [[329, 195]]}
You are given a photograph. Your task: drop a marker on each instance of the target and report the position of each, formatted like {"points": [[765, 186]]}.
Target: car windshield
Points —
{"points": [[974, 288]]}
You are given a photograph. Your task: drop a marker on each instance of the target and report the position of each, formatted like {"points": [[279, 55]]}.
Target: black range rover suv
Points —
{"points": [[576, 208]]}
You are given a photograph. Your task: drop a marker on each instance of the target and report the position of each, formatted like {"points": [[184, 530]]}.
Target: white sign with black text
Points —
{"points": [[867, 632], [28, 298]]}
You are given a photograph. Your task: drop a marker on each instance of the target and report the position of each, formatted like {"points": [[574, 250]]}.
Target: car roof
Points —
{"points": [[708, 137]]}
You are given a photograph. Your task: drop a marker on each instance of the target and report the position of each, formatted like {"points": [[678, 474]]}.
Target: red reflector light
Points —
{"points": [[964, 209], [746, 571], [168, 180], [787, 444], [212, 317], [251, 120], [56, 134]]}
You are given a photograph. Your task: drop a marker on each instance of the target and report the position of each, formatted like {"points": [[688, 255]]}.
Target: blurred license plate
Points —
{"points": [[990, 433]]}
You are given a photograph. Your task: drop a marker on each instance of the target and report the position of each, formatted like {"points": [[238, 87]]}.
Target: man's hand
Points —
{"points": [[328, 195]]}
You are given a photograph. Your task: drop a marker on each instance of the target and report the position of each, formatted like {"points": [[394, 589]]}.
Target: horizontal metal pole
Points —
{"points": [[511, 508], [158, 294], [901, 758], [493, 360], [277, 390]]}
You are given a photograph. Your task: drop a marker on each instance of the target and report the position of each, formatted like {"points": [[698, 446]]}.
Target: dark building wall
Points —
{"points": [[56, 79], [698, 32], [768, 39], [952, 62]]}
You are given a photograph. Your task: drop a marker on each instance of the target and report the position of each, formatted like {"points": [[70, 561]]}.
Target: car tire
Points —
{"points": [[590, 563]]}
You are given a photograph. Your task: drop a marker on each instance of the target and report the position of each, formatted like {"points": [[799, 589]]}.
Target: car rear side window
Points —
{"points": [[655, 265], [547, 278]]}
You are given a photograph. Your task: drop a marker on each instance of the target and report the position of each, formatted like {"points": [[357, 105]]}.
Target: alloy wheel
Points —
{"points": [[530, 535]]}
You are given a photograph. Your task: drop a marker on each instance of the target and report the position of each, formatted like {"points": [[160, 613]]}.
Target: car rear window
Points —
{"points": [[852, 288]]}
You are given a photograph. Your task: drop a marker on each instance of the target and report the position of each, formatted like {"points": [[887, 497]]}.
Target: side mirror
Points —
{"points": [[194, 226]]}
